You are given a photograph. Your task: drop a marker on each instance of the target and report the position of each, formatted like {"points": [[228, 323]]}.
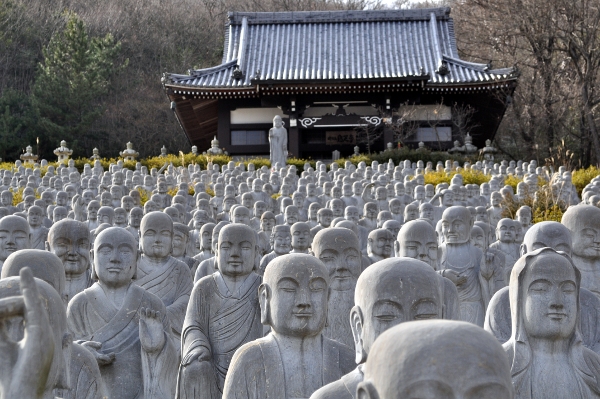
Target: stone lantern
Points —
{"points": [[28, 156], [129, 154], [62, 152]]}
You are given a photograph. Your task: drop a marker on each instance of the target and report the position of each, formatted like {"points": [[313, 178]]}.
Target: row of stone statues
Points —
{"points": [[245, 294]]}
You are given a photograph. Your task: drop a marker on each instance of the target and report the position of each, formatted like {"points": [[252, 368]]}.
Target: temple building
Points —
{"points": [[340, 79]]}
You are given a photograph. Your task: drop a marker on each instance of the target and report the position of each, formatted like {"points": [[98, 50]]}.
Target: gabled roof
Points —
{"points": [[338, 47]]}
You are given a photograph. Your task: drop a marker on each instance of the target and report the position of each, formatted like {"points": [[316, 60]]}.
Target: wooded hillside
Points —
{"points": [[553, 42]]}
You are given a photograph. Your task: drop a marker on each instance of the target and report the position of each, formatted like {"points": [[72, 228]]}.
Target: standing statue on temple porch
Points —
{"points": [[278, 140]]}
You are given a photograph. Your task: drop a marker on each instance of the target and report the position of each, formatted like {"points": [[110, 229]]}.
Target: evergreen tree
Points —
{"points": [[18, 124], [70, 84]]}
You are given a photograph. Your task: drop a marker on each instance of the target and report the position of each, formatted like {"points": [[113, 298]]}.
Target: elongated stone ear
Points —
{"points": [[366, 390], [356, 324], [264, 296]]}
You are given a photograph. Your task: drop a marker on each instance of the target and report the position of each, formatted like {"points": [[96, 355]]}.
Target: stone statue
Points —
{"points": [[379, 245], [127, 327], [546, 349], [338, 249], [301, 239], [85, 380], [281, 242], [295, 359], [460, 255], [386, 294], [584, 223], [436, 359], [161, 274], [278, 142], [70, 241], [38, 363], [506, 231], [209, 266], [498, 320], [223, 314], [14, 235]]}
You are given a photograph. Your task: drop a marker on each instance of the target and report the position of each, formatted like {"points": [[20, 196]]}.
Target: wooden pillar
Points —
{"points": [[293, 138], [223, 127]]}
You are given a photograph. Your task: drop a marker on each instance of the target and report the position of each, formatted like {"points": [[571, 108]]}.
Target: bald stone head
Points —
{"points": [[115, 257], [380, 243], [456, 225], [417, 240], [338, 249], [14, 235], [584, 223], [43, 264], [547, 234], [237, 250], [294, 295], [70, 241], [300, 232], [241, 214], [402, 289], [156, 235], [436, 359]]}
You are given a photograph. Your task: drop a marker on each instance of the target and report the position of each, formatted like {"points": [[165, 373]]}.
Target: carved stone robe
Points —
{"points": [[86, 380], [39, 238], [219, 321], [135, 373], [172, 283], [257, 369]]}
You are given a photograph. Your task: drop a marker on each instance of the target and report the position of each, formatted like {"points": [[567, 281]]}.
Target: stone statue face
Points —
{"points": [[105, 215], [371, 211], [381, 243], [550, 296], [506, 231], [337, 248], [115, 257], [180, 240], [14, 235], [586, 238], [456, 225], [267, 224], [291, 215], [135, 217], [419, 193], [325, 217], [61, 199], [337, 207], [59, 213], [478, 238], [448, 198], [418, 241], [496, 199], [383, 305], [7, 198], [277, 121], [300, 236], [282, 242], [296, 296], [351, 214], [156, 235], [241, 214], [35, 216], [70, 241], [120, 216], [426, 211], [206, 238], [411, 212]]}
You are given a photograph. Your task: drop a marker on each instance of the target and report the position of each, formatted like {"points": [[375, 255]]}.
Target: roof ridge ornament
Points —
{"points": [[237, 73], [443, 68]]}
